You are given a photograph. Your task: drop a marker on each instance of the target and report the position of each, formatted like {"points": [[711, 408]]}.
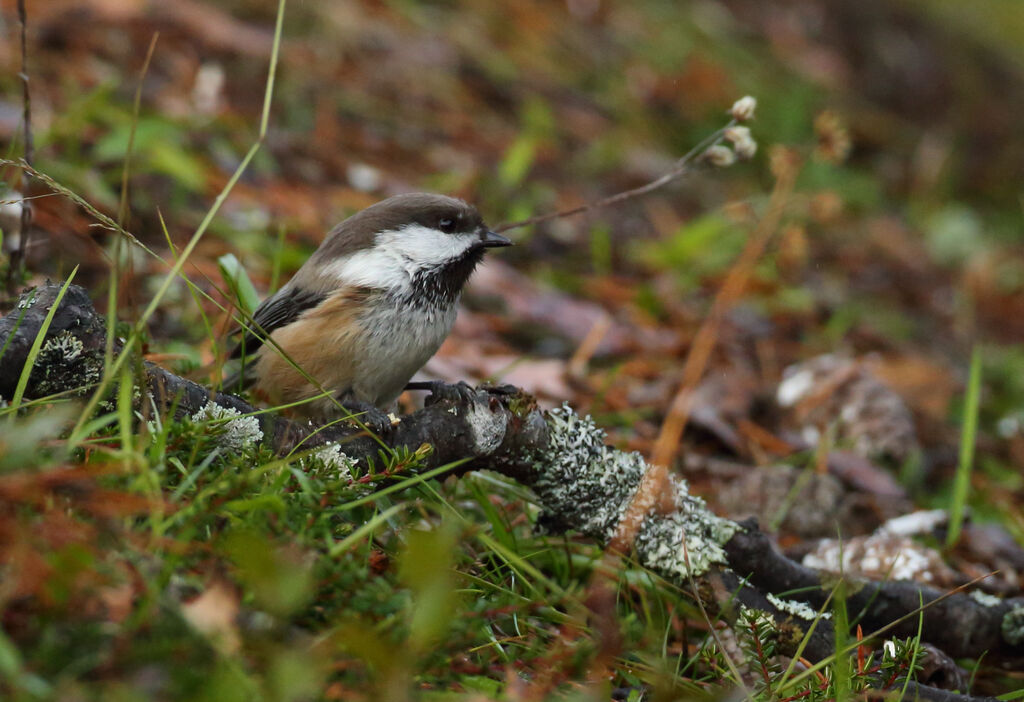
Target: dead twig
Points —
{"points": [[14, 273], [687, 164], [785, 165]]}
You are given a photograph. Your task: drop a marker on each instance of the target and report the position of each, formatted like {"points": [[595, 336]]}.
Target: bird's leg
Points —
{"points": [[369, 415]]}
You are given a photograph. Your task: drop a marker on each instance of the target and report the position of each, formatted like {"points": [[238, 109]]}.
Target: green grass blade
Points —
{"points": [[968, 437], [364, 530], [917, 647], [841, 628], [238, 281], [113, 370], [124, 417], [37, 344]]}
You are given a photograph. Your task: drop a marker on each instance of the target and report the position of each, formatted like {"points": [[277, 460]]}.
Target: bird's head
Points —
{"points": [[418, 245]]}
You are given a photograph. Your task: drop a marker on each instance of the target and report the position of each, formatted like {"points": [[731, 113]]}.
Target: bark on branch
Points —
{"points": [[581, 483]]}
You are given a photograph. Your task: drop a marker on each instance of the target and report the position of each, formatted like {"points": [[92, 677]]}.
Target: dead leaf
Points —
{"points": [[214, 613]]}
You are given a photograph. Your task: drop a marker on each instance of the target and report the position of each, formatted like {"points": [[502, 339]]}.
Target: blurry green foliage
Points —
{"points": [[157, 149], [425, 567], [238, 283], [954, 234], [702, 247]]}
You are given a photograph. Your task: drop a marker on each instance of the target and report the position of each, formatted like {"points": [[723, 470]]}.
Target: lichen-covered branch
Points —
{"points": [[581, 483]]}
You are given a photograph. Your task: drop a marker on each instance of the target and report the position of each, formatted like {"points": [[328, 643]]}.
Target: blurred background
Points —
{"points": [[902, 242]]}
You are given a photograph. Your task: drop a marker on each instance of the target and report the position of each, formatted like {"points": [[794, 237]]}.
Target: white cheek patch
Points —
{"points": [[398, 255], [372, 268], [423, 246]]}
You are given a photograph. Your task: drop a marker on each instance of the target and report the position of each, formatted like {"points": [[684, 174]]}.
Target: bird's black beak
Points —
{"points": [[489, 239]]}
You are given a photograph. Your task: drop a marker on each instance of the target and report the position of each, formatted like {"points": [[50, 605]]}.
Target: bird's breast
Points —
{"points": [[400, 338]]}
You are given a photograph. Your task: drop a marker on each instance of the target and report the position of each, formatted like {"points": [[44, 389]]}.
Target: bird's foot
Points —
{"points": [[367, 415], [461, 392], [503, 389]]}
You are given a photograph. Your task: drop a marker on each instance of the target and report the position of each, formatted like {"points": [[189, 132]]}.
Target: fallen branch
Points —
{"points": [[581, 483]]}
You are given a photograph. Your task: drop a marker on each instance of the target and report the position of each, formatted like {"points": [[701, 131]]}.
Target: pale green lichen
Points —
{"points": [[234, 432], [588, 486], [27, 300], [797, 609], [64, 360], [1013, 626], [66, 345]]}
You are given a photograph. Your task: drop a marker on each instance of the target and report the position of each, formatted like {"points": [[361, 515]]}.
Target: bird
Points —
{"points": [[366, 311]]}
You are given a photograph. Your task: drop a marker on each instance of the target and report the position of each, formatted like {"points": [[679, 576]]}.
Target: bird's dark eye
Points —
{"points": [[446, 225]]}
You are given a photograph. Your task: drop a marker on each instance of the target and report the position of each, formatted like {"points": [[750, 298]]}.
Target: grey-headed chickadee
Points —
{"points": [[368, 308]]}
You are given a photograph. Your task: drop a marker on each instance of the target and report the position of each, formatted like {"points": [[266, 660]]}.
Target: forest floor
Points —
{"points": [[834, 390]]}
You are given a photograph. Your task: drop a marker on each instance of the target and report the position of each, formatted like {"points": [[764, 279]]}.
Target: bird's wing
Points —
{"points": [[279, 310]]}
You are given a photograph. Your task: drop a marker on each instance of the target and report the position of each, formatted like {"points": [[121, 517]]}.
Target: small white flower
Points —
{"points": [[743, 109], [737, 134], [742, 143], [335, 459], [237, 431], [720, 156], [745, 150], [889, 648]]}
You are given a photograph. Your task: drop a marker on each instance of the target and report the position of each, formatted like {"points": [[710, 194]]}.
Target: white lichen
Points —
{"points": [[797, 609], [234, 432], [588, 486], [794, 387], [27, 300], [923, 521], [985, 599], [880, 555], [486, 428]]}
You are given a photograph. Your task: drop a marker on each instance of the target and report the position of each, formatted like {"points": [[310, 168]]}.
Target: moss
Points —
{"points": [[790, 635], [522, 404]]}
